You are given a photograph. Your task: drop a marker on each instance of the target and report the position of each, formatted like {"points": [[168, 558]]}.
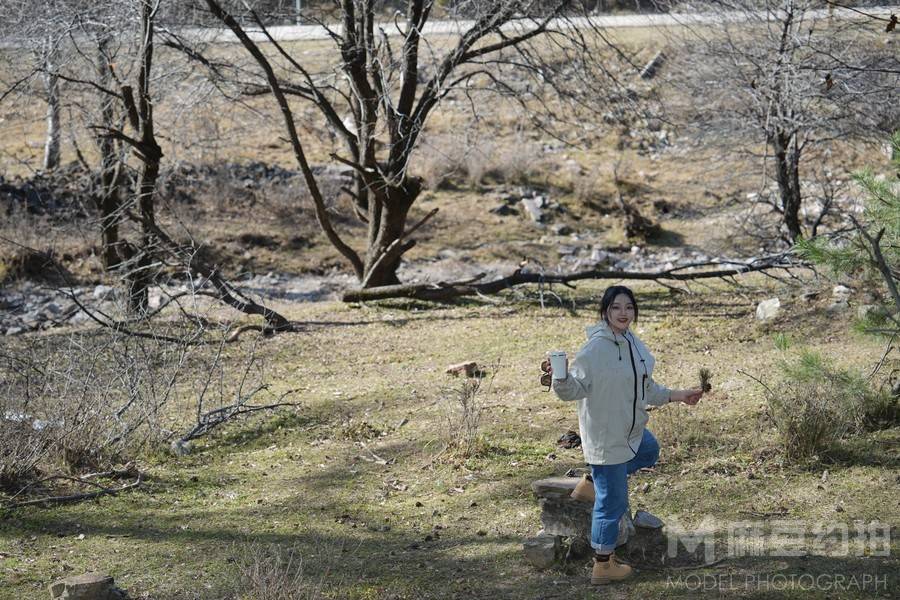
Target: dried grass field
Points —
{"points": [[358, 491]]}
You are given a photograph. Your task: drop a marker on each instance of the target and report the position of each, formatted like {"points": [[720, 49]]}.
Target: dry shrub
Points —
{"points": [[441, 160], [464, 405], [448, 161], [24, 448], [816, 404], [518, 163], [359, 431], [83, 401], [808, 416], [272, 572], [585, 187], [34, 265]]}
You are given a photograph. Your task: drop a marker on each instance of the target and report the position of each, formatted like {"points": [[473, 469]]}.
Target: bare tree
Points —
{"points": [[381, 94], [74, 44], [49, 55], [122, 121], [791, 77]]}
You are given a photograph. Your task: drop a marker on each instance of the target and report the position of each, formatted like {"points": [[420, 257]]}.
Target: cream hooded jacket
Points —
{"points": [[611, 380]]}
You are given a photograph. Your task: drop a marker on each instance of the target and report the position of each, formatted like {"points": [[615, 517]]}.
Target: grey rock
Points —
{"points": [[554, 487], [14, 330], [103, 292], [768, 309], [543, 550], [532, 207], [504, 210], [598, 255], [644, 519], [180, 448], [865, 311], [838, 306], [841, 292]]}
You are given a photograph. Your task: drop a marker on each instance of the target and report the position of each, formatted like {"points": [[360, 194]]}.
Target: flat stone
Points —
{"points": [[644, 519], [90, 586], [543, 550], [554, 487], [467, 368]]}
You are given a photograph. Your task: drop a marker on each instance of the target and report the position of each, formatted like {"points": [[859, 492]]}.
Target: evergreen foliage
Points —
{"points": [[872, 250]]}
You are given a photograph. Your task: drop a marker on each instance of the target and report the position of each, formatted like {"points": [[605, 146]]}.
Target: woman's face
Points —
{"points": [[620, 313]]}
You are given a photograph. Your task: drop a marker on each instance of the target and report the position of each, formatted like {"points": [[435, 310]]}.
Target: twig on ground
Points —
{"points": [[375, 458], [76, 497]]}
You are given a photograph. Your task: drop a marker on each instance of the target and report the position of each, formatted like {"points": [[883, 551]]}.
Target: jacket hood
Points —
{"points": [[601, 330]]}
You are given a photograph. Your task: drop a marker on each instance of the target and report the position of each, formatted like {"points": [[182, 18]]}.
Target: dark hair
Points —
{"points": [[610, 294]]}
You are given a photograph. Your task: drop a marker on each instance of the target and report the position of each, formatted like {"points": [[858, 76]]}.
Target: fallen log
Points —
{"points": [[443, 291]]}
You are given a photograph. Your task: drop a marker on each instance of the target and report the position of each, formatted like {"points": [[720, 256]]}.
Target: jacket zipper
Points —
{"points": [[634, 403]]}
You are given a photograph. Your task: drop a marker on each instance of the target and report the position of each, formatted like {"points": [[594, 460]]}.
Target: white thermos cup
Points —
{"points": [[558, 364]]}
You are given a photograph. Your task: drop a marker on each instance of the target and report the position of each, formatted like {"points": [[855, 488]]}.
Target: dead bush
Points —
{"points": [[816, 404], [519, 163], [449, 161], [808, 417], [272, 572], [87, 400], [24, 448], [33, 265], [464, 404], [443, 161]]}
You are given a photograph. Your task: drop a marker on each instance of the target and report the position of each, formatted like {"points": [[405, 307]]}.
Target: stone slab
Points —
{"points": [[554, 487], [89, 586]]}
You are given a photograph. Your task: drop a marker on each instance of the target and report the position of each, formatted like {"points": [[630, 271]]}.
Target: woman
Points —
{"points": [[611, 380]]}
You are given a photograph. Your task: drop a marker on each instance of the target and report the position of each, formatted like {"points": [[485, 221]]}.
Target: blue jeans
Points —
{"points": [[611, 493]]}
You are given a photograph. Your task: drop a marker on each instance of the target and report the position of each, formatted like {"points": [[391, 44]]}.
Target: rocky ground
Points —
{"points": [[32, 305]]}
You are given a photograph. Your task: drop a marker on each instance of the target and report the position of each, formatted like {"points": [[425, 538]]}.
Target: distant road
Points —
{"points": [[318, 32]]}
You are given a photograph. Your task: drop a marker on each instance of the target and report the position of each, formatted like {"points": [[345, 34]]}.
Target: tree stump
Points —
{"points": [[562, 517], [90, 586]]}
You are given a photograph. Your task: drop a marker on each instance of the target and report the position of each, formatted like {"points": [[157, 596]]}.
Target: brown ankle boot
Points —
{"points": [[584, 490], [609, 570]]}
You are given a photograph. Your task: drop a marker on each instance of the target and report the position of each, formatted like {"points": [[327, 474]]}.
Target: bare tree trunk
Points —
{"points": [[51, 85], [109, 198], [787, 174], [388, 213], [148, 150]]}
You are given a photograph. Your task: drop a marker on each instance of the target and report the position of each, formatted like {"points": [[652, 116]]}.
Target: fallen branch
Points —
{"points": [[209, 420], [442, 291], [76, 497], [375, 458]]}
